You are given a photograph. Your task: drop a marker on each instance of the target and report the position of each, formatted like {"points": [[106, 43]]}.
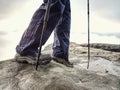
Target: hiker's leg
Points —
{"points": [[62, 34], [31, 37]]}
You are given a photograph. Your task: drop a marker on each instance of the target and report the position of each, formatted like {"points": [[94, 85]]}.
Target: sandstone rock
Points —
{"points": [[54, 76], [17, 76]]}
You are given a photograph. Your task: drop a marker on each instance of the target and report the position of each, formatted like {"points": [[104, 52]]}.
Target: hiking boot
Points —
{"points": [[25, 59], [63, 61], [44, 59]]}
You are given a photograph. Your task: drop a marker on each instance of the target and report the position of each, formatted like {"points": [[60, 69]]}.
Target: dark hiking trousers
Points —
{"points": [[59, 21]]}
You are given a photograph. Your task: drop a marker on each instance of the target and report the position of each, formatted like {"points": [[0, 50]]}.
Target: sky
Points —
{"points": [[15, 16]]}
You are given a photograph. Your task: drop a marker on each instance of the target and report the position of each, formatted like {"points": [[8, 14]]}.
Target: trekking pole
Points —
{"points": [[88, 12], [46, 17]]}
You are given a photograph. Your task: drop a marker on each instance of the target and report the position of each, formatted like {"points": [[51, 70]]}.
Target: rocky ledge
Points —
{"points": [[109, 47], [54, 76]]}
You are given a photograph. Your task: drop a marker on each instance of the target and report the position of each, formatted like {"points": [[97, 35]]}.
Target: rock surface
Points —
{"points": [[109, 47], [54, 76]]}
